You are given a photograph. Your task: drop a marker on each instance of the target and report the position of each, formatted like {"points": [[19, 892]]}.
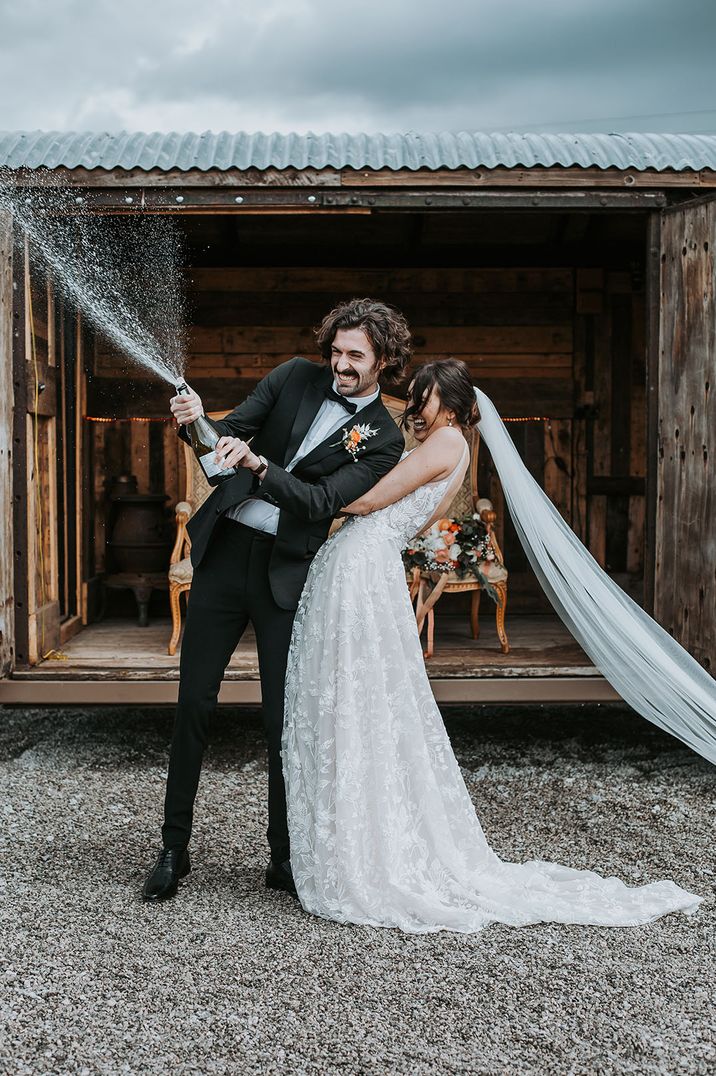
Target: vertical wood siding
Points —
{"points": [[685, 573], [7, 581]]}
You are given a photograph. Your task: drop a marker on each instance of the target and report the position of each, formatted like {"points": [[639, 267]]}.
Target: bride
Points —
{"points": [[382, 828]]}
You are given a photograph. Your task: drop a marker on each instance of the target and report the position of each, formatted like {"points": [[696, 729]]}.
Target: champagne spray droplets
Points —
{"points": [[124, 274]]}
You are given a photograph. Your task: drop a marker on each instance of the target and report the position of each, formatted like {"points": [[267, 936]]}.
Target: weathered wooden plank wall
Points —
{"points": [[7, 395], [507, 324], [685, 579], [609, 451], [69, 466], [41, 430], [49, 550], [149, 450], [561, 343]]}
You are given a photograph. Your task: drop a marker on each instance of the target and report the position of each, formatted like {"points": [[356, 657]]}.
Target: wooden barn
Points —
{"points": [[573, 273]]}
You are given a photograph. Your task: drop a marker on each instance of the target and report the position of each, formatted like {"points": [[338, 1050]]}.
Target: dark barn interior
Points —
{"points": [[546, 308]]}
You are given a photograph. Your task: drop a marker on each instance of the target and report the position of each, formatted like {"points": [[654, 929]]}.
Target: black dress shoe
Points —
{"points": [[163, 880], [279, 876]]}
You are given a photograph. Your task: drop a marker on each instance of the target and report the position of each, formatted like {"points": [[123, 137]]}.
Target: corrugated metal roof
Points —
{"points": [[174, 150]]}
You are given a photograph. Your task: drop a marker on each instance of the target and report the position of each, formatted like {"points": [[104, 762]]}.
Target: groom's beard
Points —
{"points": [[359, 384]]}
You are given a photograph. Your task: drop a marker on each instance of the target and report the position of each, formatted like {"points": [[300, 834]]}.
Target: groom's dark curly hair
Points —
{"points": [[385, 327]]}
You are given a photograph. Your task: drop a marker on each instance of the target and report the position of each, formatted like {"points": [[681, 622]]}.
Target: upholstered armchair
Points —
{"points": [[426, 588], [196, 490]]}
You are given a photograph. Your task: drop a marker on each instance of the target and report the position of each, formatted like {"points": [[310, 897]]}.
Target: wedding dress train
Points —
{"points": [[382, 827]]}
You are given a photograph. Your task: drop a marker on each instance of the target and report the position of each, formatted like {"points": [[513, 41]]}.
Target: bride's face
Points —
{"points": [[432, 416]]}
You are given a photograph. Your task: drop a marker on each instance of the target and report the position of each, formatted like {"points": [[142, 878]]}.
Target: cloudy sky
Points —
{"points": [[373, 65]]}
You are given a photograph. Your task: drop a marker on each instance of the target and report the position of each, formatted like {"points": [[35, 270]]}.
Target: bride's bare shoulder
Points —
{"points": [[446, 445], [441, 451]]}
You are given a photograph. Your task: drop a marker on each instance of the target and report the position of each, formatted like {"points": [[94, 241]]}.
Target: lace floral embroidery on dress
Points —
{"points": [[383, 831]]}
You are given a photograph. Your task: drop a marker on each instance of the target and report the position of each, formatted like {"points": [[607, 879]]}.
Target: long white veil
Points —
{"points": [[649, 669]]}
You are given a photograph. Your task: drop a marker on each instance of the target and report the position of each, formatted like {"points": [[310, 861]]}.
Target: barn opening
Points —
{"points": [[546, 306]]}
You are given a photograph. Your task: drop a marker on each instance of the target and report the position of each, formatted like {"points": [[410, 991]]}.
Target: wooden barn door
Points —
{"points": [[684, 583], [41, 455], [35, 478]]}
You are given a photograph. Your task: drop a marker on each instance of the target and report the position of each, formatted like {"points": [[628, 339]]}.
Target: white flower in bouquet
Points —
{"points": [[434, 541], [455, 551]]}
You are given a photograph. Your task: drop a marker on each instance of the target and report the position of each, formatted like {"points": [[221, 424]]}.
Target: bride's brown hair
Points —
{"points": [[451, 378]]}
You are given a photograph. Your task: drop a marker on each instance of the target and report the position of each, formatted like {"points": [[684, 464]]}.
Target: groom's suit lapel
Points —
{"points": [[333, 442], [313, 396]]}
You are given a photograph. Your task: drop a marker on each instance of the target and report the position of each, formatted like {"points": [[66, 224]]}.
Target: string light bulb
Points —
{"points": [[137, 418]]}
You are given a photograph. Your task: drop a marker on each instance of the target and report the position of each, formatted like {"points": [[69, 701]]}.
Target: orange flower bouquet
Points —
{"points": [[460, 545]]}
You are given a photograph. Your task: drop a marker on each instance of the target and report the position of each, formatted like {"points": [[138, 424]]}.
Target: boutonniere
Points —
{"points": [[355, 438]]}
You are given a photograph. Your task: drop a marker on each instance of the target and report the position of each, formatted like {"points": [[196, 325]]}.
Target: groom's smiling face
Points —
{"points": [[354, 363]]}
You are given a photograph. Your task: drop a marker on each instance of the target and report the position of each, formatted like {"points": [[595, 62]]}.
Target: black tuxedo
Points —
{"points": [[278, 414], [243, 575]]}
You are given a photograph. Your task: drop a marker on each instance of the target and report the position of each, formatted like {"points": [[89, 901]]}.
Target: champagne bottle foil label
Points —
{"points": [[210, 466]]}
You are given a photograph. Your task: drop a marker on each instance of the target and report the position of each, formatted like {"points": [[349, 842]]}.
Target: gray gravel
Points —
{"points": [[229, 978]]}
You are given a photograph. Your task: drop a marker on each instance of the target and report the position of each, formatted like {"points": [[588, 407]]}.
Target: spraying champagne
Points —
{"points": [[204, 438]]}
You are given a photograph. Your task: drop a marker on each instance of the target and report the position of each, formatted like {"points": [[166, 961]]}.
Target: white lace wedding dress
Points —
{"points": [[383, 831]]}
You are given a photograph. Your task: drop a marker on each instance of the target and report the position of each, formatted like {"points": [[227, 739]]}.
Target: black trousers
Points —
{"points": [[230, 587]]}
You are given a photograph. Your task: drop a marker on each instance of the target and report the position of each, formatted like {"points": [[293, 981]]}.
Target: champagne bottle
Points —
{"points": [[203, 438]]}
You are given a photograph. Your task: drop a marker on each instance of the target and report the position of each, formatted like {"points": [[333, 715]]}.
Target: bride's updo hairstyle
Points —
{"points": [[453, 383]]}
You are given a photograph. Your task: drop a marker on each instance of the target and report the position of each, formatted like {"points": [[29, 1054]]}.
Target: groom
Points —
{"points": [[253, 539]]}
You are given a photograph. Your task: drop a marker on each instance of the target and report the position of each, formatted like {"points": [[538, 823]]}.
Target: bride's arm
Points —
{"points": [[436, 458]]}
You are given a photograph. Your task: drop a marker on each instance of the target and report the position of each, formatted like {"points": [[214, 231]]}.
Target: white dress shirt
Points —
{"points": [[330, 416]]}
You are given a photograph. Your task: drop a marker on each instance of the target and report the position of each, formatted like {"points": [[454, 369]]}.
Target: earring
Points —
{"points": [[449, 422]]}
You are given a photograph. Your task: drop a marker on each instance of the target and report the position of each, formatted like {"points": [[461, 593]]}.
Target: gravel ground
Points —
{"points": [[230, 978]]}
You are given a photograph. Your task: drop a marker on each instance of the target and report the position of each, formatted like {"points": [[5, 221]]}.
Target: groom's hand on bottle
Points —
{"points": [[233, 452], [186, 407]]}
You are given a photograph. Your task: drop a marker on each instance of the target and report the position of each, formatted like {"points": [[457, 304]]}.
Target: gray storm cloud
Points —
{"points": [[315, 64]]}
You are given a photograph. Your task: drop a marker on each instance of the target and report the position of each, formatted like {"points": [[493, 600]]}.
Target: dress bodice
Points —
{"points": [[403, 519]]}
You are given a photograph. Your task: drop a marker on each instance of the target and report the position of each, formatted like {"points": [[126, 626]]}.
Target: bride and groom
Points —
{"points": [[369, 818]]}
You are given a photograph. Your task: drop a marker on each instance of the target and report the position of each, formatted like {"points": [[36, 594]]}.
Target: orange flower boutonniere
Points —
{"points": [[354, 439]]}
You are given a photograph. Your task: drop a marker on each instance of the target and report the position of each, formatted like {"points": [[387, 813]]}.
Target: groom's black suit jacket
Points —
{"points": [[278, 413]]}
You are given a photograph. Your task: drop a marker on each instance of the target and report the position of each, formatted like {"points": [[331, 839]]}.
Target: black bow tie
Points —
{"points": [[331, 394]]}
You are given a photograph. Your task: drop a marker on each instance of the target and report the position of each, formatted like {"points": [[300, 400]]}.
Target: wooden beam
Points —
{"points": [[528, 177], [82, 444], [19, 458], [457, 281], [685, 548], [459, 339], [135, 178], [70, 628], [7, 581], [185, 200], [47, 389], [563, 689], [653, 307], [558, 689], [158, 177]]}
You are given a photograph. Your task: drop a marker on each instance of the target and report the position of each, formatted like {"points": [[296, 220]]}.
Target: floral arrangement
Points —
{"points": [[453, 545], [353, 439]]}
